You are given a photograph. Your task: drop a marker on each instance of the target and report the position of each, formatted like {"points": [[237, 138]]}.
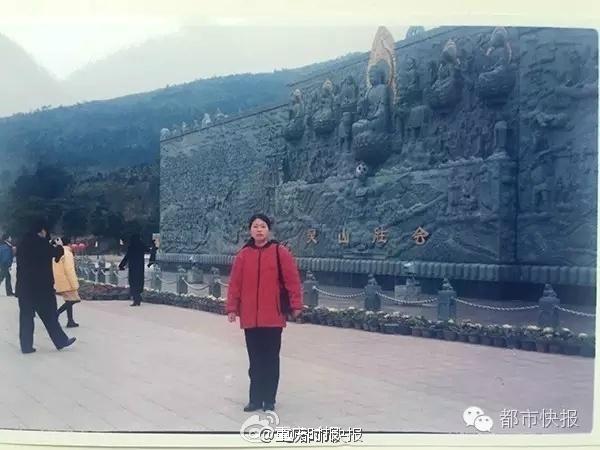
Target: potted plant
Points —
{"points": [[321, 315], [529, 335], [331, 316], [306, 315], [390, 323], [404, 325], [463, 331], [484, 335], [496, 333], [417, 324], [347, 316], [555, 344], [358, 319], [450, 330], [438, 329], [512, 336], [474, 334], [372, 321], [588, 345], [543, 339], [430, 329]]}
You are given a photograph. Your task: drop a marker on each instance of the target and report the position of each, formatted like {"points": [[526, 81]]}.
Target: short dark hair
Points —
{"points": [[38, 224], [262, 217], [66, 240], [5, 236]]}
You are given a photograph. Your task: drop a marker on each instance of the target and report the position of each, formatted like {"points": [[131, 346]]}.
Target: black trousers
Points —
{"points": [[45, 307], [5, 275], [136, 295], [263, 346], [67, 306]]}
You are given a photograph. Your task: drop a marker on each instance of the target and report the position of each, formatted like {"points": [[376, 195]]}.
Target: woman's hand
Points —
{"points": [[231, 317], [296, 313]]}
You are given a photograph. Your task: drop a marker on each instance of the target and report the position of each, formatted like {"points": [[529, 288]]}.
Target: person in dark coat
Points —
{"points": [[6, 260], [35, 287], [153, 251], [134, 258]]}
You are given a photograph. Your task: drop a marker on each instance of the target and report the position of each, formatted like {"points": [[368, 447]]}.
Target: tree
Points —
{"points": [[75, 221]]}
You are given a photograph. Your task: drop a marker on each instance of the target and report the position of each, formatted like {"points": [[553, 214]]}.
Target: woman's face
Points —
{"points": [[259, 231]]}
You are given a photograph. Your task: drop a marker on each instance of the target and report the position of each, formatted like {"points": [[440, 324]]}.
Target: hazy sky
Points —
{"points": [[63, 45], [64, 35]]}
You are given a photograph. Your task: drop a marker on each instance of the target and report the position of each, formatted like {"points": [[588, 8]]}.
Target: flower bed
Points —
{"points": [[529, 338]]}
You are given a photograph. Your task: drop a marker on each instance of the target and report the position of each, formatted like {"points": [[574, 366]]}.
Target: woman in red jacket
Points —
{"points": [[253, 295]]}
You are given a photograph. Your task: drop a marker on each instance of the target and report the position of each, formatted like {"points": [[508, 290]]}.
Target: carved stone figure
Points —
{"points": [[500, 135], [414, 31], [446, 90], [416, 124], [295, 126], [348, 98], [498, 79], [345, 131], [541, 180], [206, 120], [454, 192], [219, 116], [165, 133], [371, 138], [468, 200], [410, 87], [410, 94], [581, 77], [324, 119]]}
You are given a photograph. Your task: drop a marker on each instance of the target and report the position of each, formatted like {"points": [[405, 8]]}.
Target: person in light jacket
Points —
{"points": [[254, 296], [66, 283]]}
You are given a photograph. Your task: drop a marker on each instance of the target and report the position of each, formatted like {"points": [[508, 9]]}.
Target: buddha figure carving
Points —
{"points": [[295, 127], [348, 99], [324, 119], [371, 133], [446, 90], [497, 80]]}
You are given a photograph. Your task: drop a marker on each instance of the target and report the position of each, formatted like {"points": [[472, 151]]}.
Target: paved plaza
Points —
{"points": [[163, 368]]}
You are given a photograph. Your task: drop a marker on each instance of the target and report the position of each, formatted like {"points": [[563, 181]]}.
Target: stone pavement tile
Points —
{"points": [[164, 368]]}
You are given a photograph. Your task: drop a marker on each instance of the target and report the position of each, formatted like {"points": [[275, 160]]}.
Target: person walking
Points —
{"points": [[6, 260], [35, 287], [66, 283], [134, 258], [153, 251], [263, 273]]}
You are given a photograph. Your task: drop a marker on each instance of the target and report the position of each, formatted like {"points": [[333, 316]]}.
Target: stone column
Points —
{"points": [[311, 296], [372, 300], [446, 302], [548, 313], [181, 281]]}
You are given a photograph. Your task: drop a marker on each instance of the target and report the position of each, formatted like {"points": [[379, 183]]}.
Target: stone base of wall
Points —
{"points": [[560, 275]]}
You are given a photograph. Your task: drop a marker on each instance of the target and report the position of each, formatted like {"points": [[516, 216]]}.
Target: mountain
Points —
{"points": [[24, 84], [110, 150], [117, 133], [211, 51]]}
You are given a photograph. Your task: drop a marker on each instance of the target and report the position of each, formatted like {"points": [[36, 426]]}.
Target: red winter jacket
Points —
{"points": [[253, 292]]}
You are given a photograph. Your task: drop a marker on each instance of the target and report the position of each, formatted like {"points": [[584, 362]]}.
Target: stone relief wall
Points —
{"points": [[558, 165], [469, 145]]}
